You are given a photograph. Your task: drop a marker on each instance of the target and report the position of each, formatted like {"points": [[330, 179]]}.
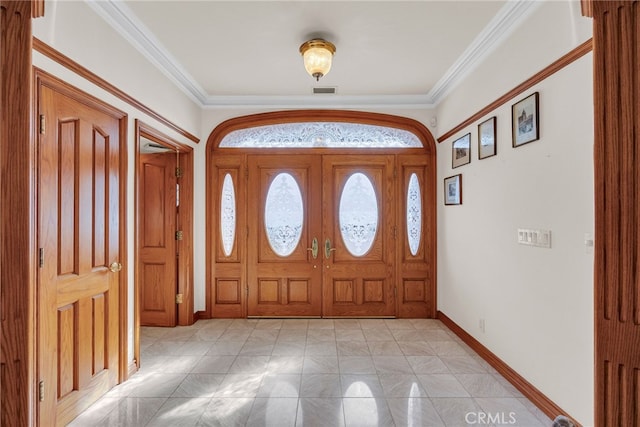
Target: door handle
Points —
{"points": [[115, 267], [328, 248], [314, 248]]}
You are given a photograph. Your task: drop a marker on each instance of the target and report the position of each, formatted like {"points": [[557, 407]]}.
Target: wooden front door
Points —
{"points": [[284, 271], [158, 267], [358, 246], [79, 229], [353, 235]]}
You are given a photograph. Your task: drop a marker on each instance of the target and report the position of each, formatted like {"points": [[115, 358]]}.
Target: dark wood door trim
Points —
{"points": [[17, 218], [616, 29]]}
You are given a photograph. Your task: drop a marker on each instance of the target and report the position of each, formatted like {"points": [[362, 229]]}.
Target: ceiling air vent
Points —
{"points": [[324, 90]]}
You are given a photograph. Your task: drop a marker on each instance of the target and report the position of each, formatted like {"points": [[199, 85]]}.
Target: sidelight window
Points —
{"points": [[228, 215], [414, 214]]}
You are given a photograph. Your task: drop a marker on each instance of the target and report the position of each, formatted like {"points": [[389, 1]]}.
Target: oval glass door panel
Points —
{"points": [[283, 214], [228, 215], [358, 214], [414, 214]]}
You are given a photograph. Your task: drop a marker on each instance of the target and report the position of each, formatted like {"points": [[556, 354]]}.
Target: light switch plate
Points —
{"points": [[534, 237]]}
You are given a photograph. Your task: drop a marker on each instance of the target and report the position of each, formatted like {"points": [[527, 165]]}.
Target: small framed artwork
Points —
{"points": [[487, 138], [461, 151], [453, 190], [525, 120]]}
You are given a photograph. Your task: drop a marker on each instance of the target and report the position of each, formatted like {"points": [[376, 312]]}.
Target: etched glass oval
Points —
{"points": [[358, 214], [414, 214], [228, 215], [283, 214]]}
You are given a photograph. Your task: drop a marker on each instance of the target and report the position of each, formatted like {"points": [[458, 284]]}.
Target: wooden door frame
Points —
{"points": [[184, 246], [617, 208], [17, 218], [296, 116]]}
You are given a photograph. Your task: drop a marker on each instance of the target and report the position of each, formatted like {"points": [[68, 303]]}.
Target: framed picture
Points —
{"points": [[453, 190], [461, 151], [525, 120], [487, 138]]}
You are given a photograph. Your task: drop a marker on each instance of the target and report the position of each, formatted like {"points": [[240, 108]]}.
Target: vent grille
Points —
{"points": [[324, 90]]}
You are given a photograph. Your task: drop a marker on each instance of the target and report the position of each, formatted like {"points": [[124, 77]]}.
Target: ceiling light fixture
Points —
{"points": [[317, 55]]}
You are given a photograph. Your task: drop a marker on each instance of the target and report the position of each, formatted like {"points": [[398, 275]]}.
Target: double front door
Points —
{"points": [[324, 237]]}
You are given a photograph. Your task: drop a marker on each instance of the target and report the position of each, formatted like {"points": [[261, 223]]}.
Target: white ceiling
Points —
{"points": [[223, 53]]}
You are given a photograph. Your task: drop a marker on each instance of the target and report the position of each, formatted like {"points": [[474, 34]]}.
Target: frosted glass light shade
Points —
{"points": [[317, 55]]}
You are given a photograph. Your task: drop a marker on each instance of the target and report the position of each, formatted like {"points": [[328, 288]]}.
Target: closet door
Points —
{"points": [[79, 281], [158, 262]]}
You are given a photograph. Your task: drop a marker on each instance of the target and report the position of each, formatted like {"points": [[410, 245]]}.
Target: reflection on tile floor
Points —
{"points": [[296, 372]]}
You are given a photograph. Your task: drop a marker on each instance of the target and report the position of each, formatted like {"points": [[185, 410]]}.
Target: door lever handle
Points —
{"points": [[314, 248], [328, 248]]}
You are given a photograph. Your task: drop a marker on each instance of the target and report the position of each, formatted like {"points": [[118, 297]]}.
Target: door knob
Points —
{"points": [[328, 248], [314, 248], [115, 267]]}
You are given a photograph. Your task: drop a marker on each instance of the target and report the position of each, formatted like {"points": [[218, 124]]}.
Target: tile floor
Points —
{"points": [[319, 372]]}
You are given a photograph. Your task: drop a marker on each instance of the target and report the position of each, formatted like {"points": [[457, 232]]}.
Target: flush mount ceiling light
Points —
{"points": [[317, 55]]}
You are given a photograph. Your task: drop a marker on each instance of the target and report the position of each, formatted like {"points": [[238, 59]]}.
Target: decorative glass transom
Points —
{"points": [[283, 214], [414, 214], [358, 214], [321, 134], [228, 215]]}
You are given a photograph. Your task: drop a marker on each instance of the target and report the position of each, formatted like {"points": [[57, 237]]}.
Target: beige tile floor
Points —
{"points": [[318, 372]]}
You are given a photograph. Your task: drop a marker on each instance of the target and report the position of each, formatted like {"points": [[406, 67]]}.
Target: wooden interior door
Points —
{"points": [[284, 278], [157, 252], [358, 262], [78, 293]]}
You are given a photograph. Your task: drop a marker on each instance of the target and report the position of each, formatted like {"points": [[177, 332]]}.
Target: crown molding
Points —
{"points": [[125, 22], [508, 18], [320, 101]]}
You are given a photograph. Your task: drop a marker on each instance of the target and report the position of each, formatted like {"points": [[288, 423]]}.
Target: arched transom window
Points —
{"points": [[320, 134]]}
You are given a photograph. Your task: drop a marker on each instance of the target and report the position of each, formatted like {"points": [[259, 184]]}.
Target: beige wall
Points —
{"points": [[537, 303]]}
